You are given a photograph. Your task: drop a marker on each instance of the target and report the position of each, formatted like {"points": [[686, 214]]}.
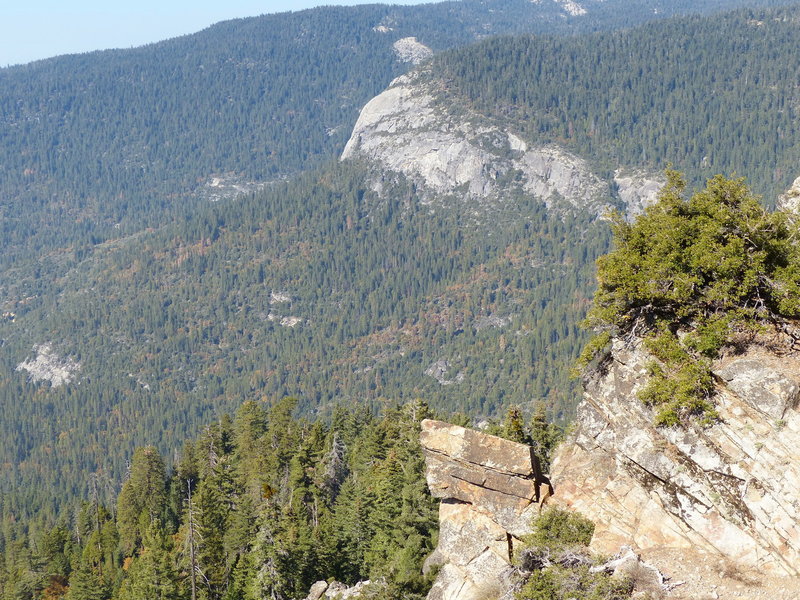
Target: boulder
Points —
{"points": [[316, 590], [322, 590]]}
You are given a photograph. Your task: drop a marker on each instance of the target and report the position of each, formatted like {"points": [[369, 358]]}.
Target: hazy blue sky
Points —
{"points": [[34, 29]]}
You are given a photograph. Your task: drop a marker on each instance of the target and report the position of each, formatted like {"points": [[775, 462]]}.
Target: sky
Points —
{"points": [[35, 29]]}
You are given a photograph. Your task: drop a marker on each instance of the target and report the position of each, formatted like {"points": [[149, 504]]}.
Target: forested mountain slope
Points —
{"points": [[322, 285], [708, 94], [98, 145], [347, 296]]}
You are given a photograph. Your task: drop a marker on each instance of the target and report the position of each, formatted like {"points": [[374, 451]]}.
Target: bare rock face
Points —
{"points": [[49, 366], [439, 371], [569, 7], [572, 8], [489, 489], [789, 201], [413, 128], [408, 49], [322, 590], [637, 189], [407, 129], [731, 490]]}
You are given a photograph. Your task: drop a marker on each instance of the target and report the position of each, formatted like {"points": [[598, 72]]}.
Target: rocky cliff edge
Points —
{"points": [[730, 491], [489, 489]]}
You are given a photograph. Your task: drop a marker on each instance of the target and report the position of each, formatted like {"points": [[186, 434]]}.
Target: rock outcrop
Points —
{"points": [[439, 371], [322, 590], [408, 49], [49, 366], [572, 8], [446, 149], [730, 491], [637, 189], [789, 201], [407, 129], [489, 489]]}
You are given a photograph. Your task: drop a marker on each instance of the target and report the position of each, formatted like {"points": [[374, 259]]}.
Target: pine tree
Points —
{"points": [[273, 577], [213, 511], [191, 540], [86, 583], [514, 426], [142, 499], [248, 428], [152, 575], [280, 441], [544, 436]]}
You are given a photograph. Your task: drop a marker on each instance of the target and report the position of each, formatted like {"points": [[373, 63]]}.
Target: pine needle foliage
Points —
{"points": [[557, 565], [558, 529], [559, 583], [689, 274]]}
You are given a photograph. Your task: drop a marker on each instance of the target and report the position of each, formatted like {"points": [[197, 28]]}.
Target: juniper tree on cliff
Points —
{"points": [[688, 275]]}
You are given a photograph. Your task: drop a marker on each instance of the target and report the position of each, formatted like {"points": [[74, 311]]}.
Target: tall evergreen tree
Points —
{"points": [[152, 574], [142, 498]]}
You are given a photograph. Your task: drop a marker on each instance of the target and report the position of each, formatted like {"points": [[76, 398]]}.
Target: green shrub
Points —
{"points": [[560, 562], [561, 583], [688, 275], [680, 384], [594, 348], [556, 529]]}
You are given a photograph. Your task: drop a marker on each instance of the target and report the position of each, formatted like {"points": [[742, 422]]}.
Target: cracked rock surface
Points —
{"points": [[489, 492], [730, 491]]}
